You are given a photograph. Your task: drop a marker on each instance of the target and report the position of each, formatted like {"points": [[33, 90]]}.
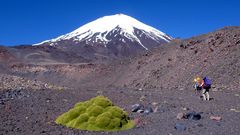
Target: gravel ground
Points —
{"points": [[34, 112]]}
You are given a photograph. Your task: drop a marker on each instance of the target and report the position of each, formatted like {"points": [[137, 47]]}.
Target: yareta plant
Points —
{"points": [[96, 114]]}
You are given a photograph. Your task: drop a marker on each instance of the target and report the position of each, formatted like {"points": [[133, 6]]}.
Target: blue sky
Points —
{"points": [[32, 21]]}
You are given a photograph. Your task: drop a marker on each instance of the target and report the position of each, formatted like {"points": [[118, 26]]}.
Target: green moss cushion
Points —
{"points": [[96, 114]]}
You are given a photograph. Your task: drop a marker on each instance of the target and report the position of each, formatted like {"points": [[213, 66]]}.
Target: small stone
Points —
{"points": [[180, 127], [185, 108], [43, 131], [99, 92], [180, 98], [148, 110], [235, 110], [200, 125], [142, 98], [155, 109], [48, 100], [65, 100], [213, 86], [237, 95], [181, 89], [154, 103], [1, 102], [232, 109], [214, 89], [180, 116]]}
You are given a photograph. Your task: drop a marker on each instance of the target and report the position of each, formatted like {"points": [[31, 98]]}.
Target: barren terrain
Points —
{"points": [[37, 86]]}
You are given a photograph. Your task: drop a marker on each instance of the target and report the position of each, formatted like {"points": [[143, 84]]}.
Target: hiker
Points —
{"points": [[204, 85], [198, 83]]}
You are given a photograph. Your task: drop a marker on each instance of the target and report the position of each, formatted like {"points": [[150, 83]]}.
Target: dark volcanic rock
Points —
{"points": [[148, 110], [137, 107], [193, 116]]}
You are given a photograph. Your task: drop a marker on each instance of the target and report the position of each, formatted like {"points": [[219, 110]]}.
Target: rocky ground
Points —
{"points": [[34, 112], [11, 82], [34, 94]]}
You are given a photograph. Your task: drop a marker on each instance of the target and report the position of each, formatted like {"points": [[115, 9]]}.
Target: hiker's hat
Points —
{"points": [[197, 79]]}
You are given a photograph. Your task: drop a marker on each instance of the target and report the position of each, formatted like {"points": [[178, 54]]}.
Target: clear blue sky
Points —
{"points": [[32, 21]]}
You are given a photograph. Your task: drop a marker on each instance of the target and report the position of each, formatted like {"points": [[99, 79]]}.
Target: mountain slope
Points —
{"points": [[115, 35], [215, 54]]}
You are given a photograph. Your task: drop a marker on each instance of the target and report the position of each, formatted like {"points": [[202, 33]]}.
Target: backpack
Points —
{"points": [[207, 81]]}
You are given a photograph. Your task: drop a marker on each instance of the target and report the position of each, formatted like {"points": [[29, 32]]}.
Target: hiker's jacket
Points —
{"points": [[199, 84]]}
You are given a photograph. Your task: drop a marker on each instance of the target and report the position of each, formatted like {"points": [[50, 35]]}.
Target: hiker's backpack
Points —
{"points": [[207, 81]]}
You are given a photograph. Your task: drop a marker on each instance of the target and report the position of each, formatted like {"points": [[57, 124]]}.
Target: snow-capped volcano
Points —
{"points": [[111, 32]]}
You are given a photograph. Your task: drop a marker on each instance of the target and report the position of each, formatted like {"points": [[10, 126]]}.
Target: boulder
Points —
{"points": [[193, 116], [217, 118], [137, 107]]}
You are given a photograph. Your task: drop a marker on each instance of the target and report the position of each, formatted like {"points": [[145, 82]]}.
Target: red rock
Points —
{"points": [[217, 118]]}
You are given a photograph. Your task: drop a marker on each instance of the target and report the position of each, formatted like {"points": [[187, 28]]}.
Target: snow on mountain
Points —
{"points": [[106, 29]]}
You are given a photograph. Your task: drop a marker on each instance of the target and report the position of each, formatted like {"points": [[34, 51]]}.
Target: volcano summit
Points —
{"points": [[115, 35]]}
